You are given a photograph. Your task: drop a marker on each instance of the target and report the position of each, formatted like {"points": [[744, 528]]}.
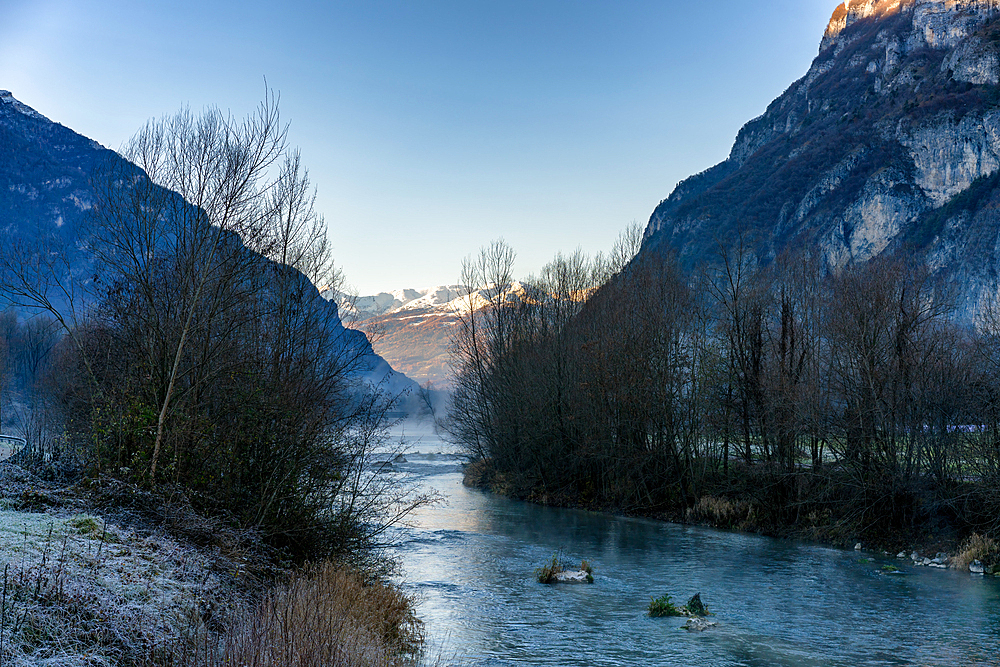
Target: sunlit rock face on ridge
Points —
{"points": [[412, 328], [890, 143], [938, 23]]}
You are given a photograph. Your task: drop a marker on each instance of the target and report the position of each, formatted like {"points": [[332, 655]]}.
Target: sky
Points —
{"points": [[432, 127]]}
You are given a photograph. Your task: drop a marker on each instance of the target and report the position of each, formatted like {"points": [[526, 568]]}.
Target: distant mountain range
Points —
{"points": [[889, 144], [45, 188], [412, 328]]}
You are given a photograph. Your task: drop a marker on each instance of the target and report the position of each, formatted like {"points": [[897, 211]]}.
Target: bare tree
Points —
{"points": [[4, 371], [625, 248], [39, 276], [742, 302], [480, 342], [201, 198], [296, 233]]}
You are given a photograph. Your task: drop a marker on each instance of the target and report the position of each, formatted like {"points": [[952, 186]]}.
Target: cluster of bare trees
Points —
{"points": [[856, 396], [198, 352], [26, 347]]}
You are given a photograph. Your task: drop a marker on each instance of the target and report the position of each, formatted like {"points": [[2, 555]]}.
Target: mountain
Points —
{"points": [[45, 188], [44, 171], [443, 299], [412, 328], [889, 144]]}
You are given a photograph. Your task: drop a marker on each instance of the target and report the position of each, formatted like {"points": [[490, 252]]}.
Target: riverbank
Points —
{"points": [[777, 602], [103, 573], [806, 519]]}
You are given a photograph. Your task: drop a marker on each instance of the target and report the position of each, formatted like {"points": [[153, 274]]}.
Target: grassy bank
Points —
{"points": [[106, 574], [324, 616]]}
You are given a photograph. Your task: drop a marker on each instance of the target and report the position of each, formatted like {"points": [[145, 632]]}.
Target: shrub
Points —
{"points": [[546, 574], [34, 500], [476, 474], [662, 606], [696, 607], [85, 525]]}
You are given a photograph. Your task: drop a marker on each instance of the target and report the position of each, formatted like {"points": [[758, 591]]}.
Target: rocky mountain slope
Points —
{"points": [[45, 172], [889, 144], [410, 328]]}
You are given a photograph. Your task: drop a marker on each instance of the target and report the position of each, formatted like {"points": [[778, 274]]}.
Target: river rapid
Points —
{"points": [[470, 562]]}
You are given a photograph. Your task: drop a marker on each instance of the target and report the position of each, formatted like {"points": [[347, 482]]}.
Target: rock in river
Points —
{"points": [[573, 577], [698, 625]]}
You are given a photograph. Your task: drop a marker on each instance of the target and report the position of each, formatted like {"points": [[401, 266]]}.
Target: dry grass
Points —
{"points": [[721, 513], [977, 547], [326, 616]]}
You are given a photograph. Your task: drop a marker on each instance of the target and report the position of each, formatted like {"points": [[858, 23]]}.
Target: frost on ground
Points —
{"points": [[82, 590]]}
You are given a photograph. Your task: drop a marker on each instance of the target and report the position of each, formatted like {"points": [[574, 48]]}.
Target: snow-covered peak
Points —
{"points": [[429, 298], [385, 303], [7, 99], [441, 299]]}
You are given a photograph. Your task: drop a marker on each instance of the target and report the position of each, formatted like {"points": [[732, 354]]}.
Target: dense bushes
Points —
{"points": [[748, 397], [205, 358]]}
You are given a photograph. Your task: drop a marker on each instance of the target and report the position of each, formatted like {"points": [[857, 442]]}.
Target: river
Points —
{"points": [[470, 562]]}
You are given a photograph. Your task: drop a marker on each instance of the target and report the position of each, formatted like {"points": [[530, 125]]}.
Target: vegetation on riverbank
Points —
{"points": [[842, 408], [186, 384], [109, 574], [325, 615]]}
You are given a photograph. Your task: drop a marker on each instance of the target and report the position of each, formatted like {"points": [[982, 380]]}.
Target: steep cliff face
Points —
{"points": [[889, 143]]}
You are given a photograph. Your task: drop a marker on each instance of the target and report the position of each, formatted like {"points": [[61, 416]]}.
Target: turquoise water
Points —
{"points": [[470, 561]]}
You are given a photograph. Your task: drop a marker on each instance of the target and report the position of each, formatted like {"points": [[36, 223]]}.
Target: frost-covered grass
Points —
{"points": [[78, 591], [81, 588]]}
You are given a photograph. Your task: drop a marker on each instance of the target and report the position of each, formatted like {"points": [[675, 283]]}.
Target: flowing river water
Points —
{"points": [[470, 562]]}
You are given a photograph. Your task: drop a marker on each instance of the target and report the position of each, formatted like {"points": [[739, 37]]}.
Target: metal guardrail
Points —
{"points": [[10, 445]]}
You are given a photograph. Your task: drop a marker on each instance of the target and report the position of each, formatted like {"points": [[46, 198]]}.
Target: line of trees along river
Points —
{"points": [[779, 398]]}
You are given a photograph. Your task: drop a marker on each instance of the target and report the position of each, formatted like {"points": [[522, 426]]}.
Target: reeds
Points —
{"points": [[977, 547], [720, 513], [326, 616]]}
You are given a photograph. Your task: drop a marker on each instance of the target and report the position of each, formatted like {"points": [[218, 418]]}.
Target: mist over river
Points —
{"points": [[470, 562]]}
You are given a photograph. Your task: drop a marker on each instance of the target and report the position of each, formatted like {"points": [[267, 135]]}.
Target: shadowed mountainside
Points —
{"points": [[46, 190]]}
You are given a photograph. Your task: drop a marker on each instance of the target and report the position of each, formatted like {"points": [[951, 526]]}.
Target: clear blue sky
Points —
{"points": [[431, 127]]}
